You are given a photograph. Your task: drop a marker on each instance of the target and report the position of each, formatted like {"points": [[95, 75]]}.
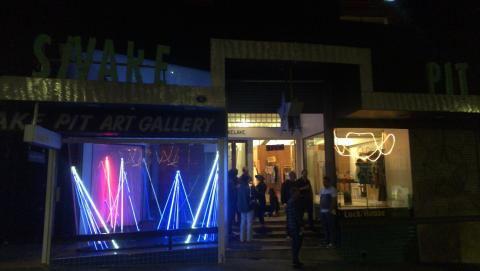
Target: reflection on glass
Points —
{"points": [[230, 156], [237, 155], [241, 153], [314, 151]]}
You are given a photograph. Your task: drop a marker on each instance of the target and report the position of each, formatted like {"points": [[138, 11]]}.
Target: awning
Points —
{"points": [[385, 105], [75, 91]]}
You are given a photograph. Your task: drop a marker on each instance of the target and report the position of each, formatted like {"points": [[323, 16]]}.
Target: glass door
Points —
{"points": [[237, 154]]}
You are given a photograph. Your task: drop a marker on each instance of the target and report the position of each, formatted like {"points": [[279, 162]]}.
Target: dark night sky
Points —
{"points": [[188, 26]]}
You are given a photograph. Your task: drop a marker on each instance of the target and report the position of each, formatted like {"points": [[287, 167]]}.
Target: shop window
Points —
{"points": [[129, 188], [373, 168]]}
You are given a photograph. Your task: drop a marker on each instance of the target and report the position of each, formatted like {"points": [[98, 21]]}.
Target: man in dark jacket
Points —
{"points": [[274, 204], [328, 204], [286, 186], [306, 193], [294, 224]]}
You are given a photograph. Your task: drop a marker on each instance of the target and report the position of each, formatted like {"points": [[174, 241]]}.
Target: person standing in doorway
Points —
{"points": [[328, 203], [260, 190], [244, 205], [285, 190], [306, 192], [274, 205], [286, 186], [294, 224]]}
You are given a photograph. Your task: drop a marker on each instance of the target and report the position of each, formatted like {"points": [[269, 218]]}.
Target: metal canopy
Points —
{"points": [[404, 102]]}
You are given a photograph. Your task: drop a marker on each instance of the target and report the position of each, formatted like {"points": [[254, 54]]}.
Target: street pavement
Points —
{"points": [[246, 265]]}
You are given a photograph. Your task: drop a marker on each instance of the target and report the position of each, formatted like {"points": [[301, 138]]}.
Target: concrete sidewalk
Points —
{"points": [[23, 257], [251, 265]]}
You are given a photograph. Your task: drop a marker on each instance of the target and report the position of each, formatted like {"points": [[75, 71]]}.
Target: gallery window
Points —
{"points": [[373, 168], [140, 187]]}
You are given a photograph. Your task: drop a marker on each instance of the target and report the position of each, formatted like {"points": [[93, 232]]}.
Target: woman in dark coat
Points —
{"points": [[260, 190]]}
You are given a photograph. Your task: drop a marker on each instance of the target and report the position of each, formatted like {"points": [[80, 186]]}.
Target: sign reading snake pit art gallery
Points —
{"points": [[161, 122]]}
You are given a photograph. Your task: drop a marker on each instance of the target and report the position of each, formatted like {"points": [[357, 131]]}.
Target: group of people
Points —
{"points": [[247, 201], [305, 200], [300, 200]]}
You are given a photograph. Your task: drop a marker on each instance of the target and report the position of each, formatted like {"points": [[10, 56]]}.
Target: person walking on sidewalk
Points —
{"points": [[328, 203], [294, 224], [245, 207]]}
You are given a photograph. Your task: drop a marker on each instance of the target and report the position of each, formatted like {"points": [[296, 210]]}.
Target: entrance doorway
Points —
{"points": [[271, 158], [274, 159]]}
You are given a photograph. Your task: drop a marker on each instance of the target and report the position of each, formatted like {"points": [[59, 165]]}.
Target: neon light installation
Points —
{"points": [[86, 207], [153, 188], [117, 201], [110, 197], [116, 205], [343, 149], [171, 219], [209, 208]]}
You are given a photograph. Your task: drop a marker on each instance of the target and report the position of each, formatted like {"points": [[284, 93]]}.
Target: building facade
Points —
{"points": [[397, 132]]}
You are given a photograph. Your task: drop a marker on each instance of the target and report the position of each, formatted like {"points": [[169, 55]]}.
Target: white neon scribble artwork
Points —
{"points": [[380, 147]]}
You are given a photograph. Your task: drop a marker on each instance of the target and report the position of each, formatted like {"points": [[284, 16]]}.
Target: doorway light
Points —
{"points": [[318, 141], [258, 142], [280, 142]]}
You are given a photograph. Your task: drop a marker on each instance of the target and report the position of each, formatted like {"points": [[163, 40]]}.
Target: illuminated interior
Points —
{"points": [[374, 169], [372, 166], [253, 120], [274, 159], [144, 187]]}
